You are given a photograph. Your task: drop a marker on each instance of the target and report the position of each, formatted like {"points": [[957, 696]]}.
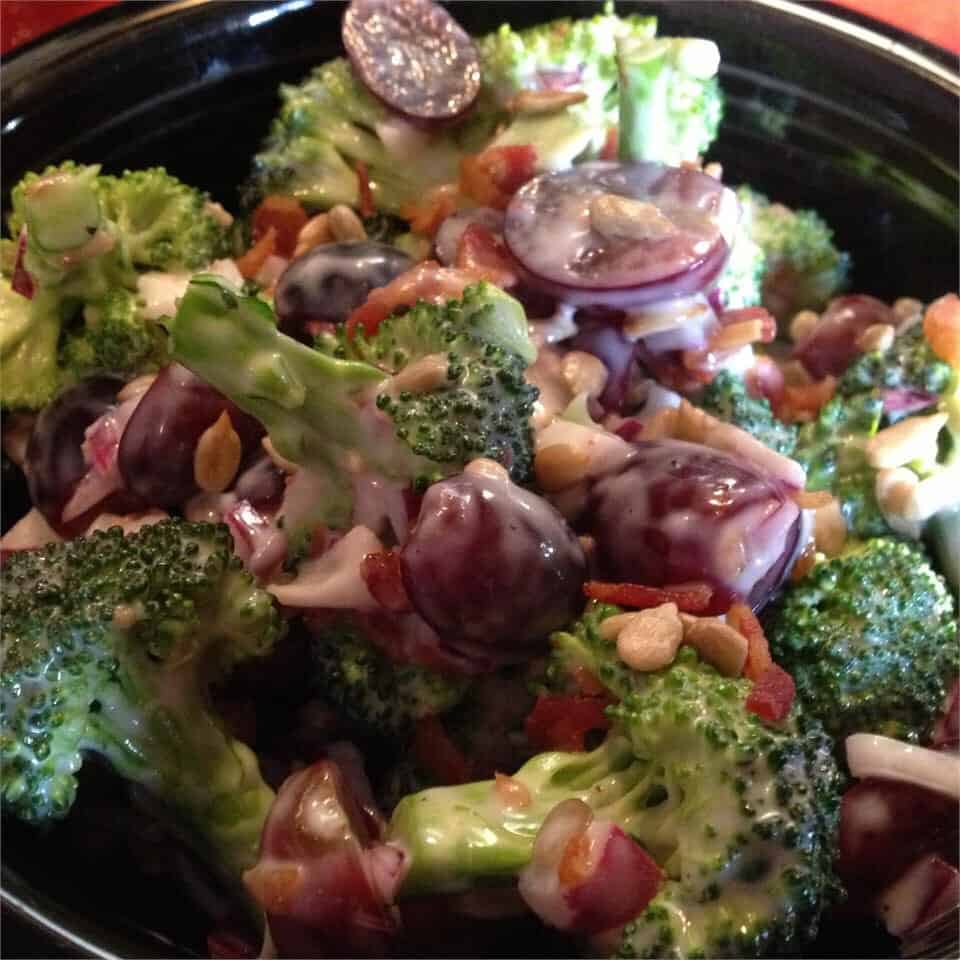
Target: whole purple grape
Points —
{"points": [[678, 512], [492, 567]]}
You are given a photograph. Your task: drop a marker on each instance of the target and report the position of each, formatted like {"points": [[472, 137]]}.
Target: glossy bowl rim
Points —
{"points": [[108, 22]]}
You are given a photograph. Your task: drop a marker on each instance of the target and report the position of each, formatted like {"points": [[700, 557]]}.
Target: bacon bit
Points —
{"points": [[483, 253], [563, 722], [286, 216], [511, 793], [805, 562], [365, 204], [587, 682], [744, 621], [22, 282], [426, 215], [492, 177], [425, 281], [765, 379], [812, 499], [804, 402], [772, 695], [689, 597], [381, 573], [941, 327], [437, 753], [250, 263], [611, 145], [574, 866]]}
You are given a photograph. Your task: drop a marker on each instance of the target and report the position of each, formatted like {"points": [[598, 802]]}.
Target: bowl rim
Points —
{"points": [[914, 54]]}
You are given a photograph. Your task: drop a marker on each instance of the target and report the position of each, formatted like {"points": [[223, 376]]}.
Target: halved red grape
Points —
{"points": [[621, 236], [159, 442], [678, 512], [329, 282], [54, 462], [490, 565], [414, 56]]}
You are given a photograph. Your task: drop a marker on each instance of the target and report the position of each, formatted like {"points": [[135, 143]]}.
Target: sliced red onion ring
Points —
{"points": [[870, 755], [621, 236], [414, 56]]}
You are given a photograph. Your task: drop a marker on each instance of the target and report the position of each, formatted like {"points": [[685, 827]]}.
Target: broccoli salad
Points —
{"points": [[498, 522]]}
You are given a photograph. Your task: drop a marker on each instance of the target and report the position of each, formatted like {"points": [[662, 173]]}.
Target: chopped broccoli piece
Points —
{"points": [[378, 694], [740, 283], [870, 637], [319, 408], [670, 101], [329, 122], [110, 644], [87, 236], [803, 268], [910, 364], [114, 337], [726, 398], [29, 331], [832, 449], [740, 816]]}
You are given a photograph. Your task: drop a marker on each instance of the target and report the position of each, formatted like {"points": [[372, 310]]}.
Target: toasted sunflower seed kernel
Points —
{"points": [[344, 224], [544, 101], [878, 337], [560, 466], [912, 439], [623, 218], [650, 640], [717, 643], [584, 373], [217, 457]]}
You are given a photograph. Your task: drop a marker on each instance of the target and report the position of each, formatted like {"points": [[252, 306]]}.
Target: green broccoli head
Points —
{"points": [[110, 644], [379, 695], [741, 817], [803, 267], [670, 101], [870, 637], [740, 283], [328, 123], [29, 333], [321, 409], [832, 448], [114, 337], [910, 364], [163, 224], [727, 398]]}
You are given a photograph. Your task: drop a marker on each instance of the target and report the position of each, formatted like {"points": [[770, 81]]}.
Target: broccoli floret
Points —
{"points": [[318, 409], [329, 122], [670, 101], [163, 224], [803, 268], [727, 398], [740, 283], [379, 695], [87, 236], [114, 337], [870, 637], [832, 448], [741, 817], [909, 364], [110, 644], [29, 331]]}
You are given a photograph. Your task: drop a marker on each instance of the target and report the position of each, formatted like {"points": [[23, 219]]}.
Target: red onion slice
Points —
{"points": [[605, 234], [870, 755]]}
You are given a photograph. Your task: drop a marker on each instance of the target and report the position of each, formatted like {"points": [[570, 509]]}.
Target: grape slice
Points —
{"points": [[620, 236], [414, 56]]}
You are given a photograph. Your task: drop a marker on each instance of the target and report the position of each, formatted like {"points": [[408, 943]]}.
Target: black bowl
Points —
{"points": [[821, 112]]}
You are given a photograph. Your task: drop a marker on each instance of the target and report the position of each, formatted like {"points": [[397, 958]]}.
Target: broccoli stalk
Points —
{"points": [[870, 637], [29, 331], [670, 102], [322, 410], [110, 644], [741, 817]]}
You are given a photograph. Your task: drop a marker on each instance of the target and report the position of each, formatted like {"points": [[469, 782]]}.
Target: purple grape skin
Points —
{"points": [[54, 462], [492, 566], [413, 56], [327, 283], [637, 517], [159, 442], [261, 483]]}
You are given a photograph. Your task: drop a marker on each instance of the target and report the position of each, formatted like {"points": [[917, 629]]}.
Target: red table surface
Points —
{"points": [[937, 21]]}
